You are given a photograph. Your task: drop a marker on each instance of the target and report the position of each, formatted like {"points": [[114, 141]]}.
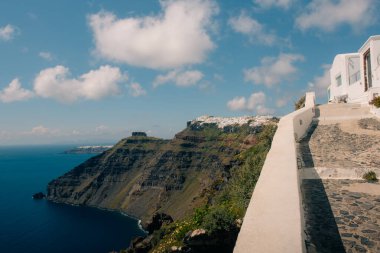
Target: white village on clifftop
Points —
{"points": [[222, 122]]}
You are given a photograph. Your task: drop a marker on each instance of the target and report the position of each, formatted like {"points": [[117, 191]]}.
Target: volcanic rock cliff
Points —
{"points": [[142, 175]]}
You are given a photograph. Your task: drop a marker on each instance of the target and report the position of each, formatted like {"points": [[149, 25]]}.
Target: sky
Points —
{"points": [[91, 72]]}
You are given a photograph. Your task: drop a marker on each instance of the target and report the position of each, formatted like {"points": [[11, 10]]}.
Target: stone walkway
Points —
{"points": [[341, 215], [340, 220]]}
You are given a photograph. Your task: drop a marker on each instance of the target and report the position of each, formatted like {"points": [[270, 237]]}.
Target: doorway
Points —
{"points": [[367, 70]]}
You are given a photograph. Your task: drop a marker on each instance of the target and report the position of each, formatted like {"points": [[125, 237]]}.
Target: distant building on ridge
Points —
{"points": [[139, 134]]}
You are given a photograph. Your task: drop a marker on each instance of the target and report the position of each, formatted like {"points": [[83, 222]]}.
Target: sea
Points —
{"points": [[28, 225]]}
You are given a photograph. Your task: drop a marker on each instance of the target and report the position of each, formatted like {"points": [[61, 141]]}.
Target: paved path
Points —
{"points": [[339, 219], [341, 215]]}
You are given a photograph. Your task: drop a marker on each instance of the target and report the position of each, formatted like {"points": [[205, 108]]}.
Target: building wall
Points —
{"points": [[355, 89], [344, 66], [375, 52], [338, 68]]}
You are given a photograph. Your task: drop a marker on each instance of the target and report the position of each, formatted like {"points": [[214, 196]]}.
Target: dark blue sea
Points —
{"points": [[32, 226]]}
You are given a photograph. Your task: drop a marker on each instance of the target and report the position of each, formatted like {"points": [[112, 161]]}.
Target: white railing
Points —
{"points": [[273, 222]]}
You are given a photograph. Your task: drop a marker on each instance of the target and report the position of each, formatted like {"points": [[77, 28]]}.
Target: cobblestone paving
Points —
{"points": [[331, 147], [337, 217], [371, 124]]}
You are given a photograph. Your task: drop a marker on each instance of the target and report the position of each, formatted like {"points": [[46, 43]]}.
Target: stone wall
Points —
{"points": [[274, 218]]}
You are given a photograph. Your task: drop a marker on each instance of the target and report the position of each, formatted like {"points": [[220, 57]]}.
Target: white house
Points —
{"points": [[355, 77]]}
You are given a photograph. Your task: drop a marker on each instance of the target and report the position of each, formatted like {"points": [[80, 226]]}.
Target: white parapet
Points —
{"points": [[273, 222]]}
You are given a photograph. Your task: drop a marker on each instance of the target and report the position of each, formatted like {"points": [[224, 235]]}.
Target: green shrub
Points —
{"points": [[219, 219], [200, 214], [227, 204], [375, 102], [300, 103], [370, 176]]}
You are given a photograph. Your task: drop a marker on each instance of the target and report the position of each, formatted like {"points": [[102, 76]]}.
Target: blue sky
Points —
{"points": [[93, 71]]}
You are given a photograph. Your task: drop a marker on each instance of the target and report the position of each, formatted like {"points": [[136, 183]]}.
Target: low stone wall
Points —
{"points": [[274, 219], [375, 111]]}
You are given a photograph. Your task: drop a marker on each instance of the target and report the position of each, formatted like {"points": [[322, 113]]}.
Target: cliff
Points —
{"points": [[142, 175]]}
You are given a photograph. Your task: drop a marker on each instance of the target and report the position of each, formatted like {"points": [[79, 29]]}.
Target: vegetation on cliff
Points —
{"points": [[203, 179], [221, 217]]}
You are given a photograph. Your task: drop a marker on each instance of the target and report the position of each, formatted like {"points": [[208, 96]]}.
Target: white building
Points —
{"points": [[355, 77]]}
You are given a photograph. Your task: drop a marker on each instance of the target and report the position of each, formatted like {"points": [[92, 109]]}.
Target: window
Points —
{"points": [[338, 80], [353, 69]]}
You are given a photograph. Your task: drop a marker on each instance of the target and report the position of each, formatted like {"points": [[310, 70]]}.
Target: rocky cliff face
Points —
{"points": [[143, 175]]}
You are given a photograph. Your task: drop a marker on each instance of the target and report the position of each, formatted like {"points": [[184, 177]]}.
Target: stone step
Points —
{"points": [[342, 112]]}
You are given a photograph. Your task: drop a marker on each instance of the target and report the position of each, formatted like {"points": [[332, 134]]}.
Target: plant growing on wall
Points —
{"points": [[300, 103], [370, 176], [375, 102]]}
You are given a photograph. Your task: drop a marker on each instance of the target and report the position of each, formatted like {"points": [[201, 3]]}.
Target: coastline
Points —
{"points": [[103, 209]]}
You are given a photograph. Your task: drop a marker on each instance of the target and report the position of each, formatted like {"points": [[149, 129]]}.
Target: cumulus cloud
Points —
{"points": [[255, 102], [320, 83], [55, 83], [250, 27], [273, 70], [41, 130], [328, 15], [178, 36], [14, 92], [46, 56], [179, 78], [8, 32], [237, 104], [136, 90], [285, 4]]}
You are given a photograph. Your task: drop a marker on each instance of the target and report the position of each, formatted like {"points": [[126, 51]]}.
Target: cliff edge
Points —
{"points": [[143, 175]]}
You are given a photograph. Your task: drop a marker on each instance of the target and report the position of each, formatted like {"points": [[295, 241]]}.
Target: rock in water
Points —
{"points": [[39, 195], [157, 221]]}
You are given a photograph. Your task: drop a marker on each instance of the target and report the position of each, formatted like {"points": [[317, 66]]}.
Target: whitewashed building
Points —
{"points": [[355, 77]]}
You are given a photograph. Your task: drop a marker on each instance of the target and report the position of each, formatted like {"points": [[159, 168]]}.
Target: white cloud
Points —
{"points": [[237, 104], [8, 32], [99, 129], [256, 99], [176, 37], [96, 84], [14, 92], [179, 78], [320, 83], [40, 130], [255, 102], [285, 4], [327, 15], [263, 110], [136, 90], [273, 70], [46, 56], [252, 28], [281, 102]]}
